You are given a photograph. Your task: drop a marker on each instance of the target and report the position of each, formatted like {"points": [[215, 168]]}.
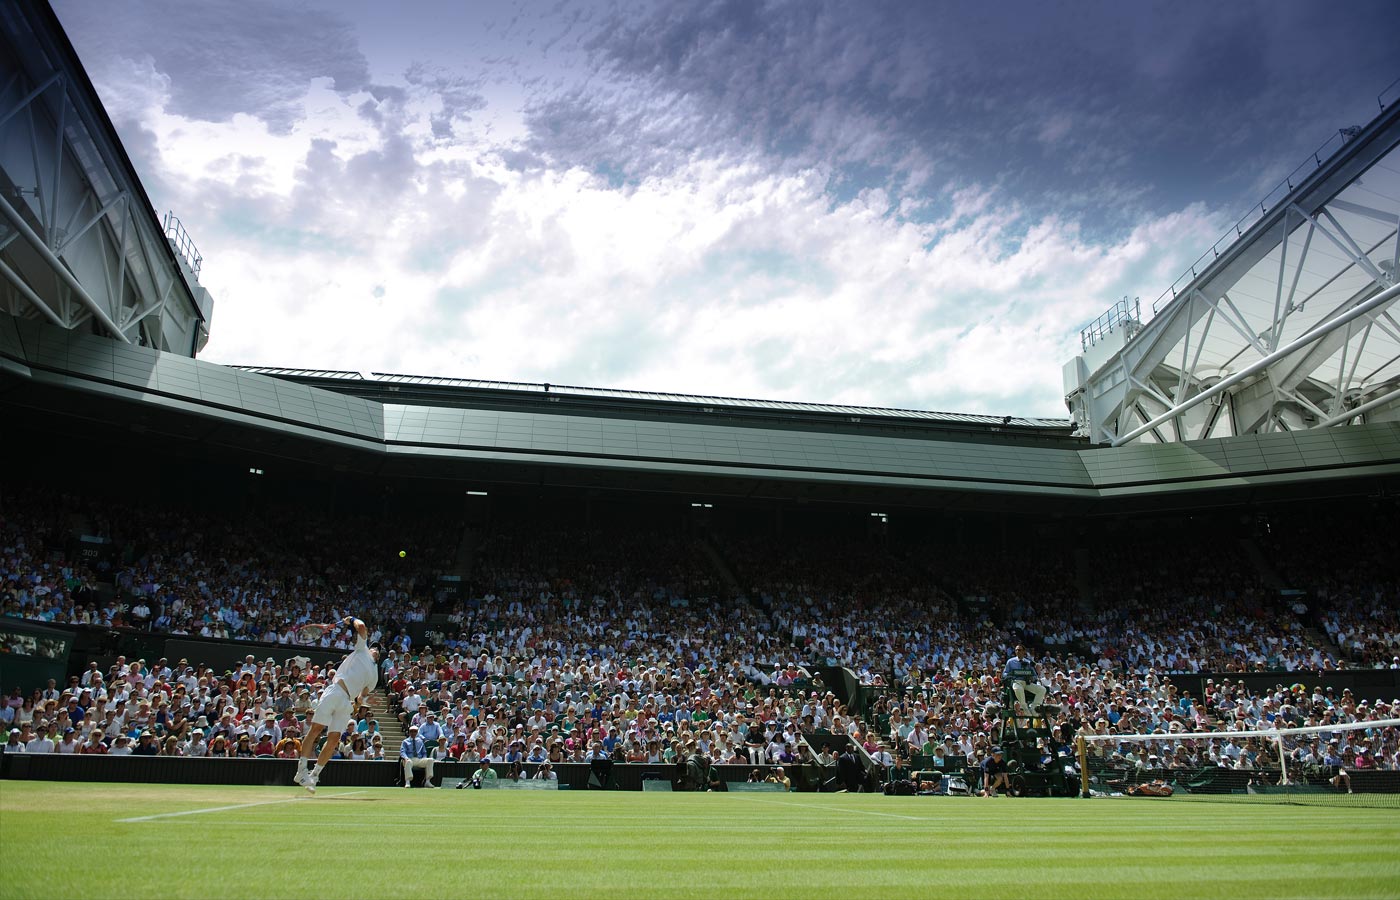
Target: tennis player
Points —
{"points": [[354, 679]]}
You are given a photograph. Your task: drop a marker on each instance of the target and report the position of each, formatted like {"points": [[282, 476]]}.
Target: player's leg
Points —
{"points": [[327, 751], [308, 750], [333, 710]]}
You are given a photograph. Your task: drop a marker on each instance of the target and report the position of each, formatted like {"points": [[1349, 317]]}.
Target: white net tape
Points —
{"points": [[1210, 735]]}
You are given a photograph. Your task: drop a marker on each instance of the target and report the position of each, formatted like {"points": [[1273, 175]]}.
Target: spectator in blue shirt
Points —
{"points": [[414, 754], [431, 730], [1020, 674]]}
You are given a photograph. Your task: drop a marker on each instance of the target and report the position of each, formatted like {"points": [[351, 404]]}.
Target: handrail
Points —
{"points": [[1380, 98], [1255, 213], [184, 244], [1339, 139], [1124, 310]]}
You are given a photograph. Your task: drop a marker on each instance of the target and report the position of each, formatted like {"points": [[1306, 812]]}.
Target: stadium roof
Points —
{"points": [[66, 382], [536, 390]]}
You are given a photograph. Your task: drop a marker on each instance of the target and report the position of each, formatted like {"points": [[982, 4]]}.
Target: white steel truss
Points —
{"points": [[1287, 323], [80, 246]]}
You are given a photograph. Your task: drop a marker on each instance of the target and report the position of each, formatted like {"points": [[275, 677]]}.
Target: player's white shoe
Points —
{"points": [[308, 781]]}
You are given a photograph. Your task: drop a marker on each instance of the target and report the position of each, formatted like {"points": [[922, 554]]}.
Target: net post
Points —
{"points": [[1082, 747]]}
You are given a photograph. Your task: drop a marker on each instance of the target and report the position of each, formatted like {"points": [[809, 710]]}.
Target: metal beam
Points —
{"points": [[1361, 410], [61, 270], [1384, 297], [96, 217], [29, 97], [27, 293], [1293, 372]]}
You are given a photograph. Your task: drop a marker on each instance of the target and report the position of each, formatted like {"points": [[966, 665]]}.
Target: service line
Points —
{"points": [[214, 809]]}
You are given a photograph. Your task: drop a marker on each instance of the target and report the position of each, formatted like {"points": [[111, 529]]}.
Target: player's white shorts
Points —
{"points": [[334, 710]]}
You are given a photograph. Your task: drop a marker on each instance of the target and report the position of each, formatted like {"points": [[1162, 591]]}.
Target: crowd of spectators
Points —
{"points": [[624, 644], [588, 644], [1344, 564], [258, 709], [528, 710], [962, 717], [254, 577]]}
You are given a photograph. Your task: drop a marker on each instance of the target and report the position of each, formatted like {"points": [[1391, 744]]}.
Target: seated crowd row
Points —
{"points": [[575, 642]]}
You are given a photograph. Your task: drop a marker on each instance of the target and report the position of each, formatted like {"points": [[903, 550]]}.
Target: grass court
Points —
{"points": [[77, 840]]}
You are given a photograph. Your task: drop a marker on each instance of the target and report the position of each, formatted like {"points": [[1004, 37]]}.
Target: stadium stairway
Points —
{"points": [[1084, 575], [726, 573], [1323, 640], [1310, 620], [463, 563], [1267, 573], [388, 723], [720, 564], [466, 552]]}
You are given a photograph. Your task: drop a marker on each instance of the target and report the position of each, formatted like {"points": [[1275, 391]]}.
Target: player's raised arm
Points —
{"points": [[312, 630]]}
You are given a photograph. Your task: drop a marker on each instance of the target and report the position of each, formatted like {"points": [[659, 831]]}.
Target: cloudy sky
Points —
{"points": [[908, 204]]}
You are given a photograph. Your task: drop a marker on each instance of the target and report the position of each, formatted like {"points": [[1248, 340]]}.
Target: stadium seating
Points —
{"points": [[644, 645]]}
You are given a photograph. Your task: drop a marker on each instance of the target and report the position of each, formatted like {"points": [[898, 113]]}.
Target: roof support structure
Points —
{"points": [[60, 270], [1352, 414], [93, 253], [28, 293], [1323, 245], [1384, 298]]}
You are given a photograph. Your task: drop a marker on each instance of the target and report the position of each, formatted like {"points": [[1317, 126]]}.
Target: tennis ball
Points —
{"points": [[402, 554]]}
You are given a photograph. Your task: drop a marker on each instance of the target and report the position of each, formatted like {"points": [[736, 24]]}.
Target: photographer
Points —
{"points": [[600, 762], [484, 775]]}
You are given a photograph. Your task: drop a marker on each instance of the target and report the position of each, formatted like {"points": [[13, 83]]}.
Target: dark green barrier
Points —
{"points": [[339, 773], [1365, 684], [31, 653]]}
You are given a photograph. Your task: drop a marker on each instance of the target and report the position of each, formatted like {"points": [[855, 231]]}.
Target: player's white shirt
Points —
{"points": [[358, 673]]}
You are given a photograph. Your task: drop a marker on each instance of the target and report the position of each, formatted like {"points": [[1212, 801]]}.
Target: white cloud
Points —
{"points": [[716, 278], [411, 228]]}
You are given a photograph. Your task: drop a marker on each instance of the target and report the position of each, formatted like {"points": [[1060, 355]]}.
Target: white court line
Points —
{"points": [[864, 812], [214, 809], [282, 822]]}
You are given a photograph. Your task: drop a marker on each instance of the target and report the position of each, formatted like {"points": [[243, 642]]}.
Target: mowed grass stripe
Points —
{"points": [[587, 844]]}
